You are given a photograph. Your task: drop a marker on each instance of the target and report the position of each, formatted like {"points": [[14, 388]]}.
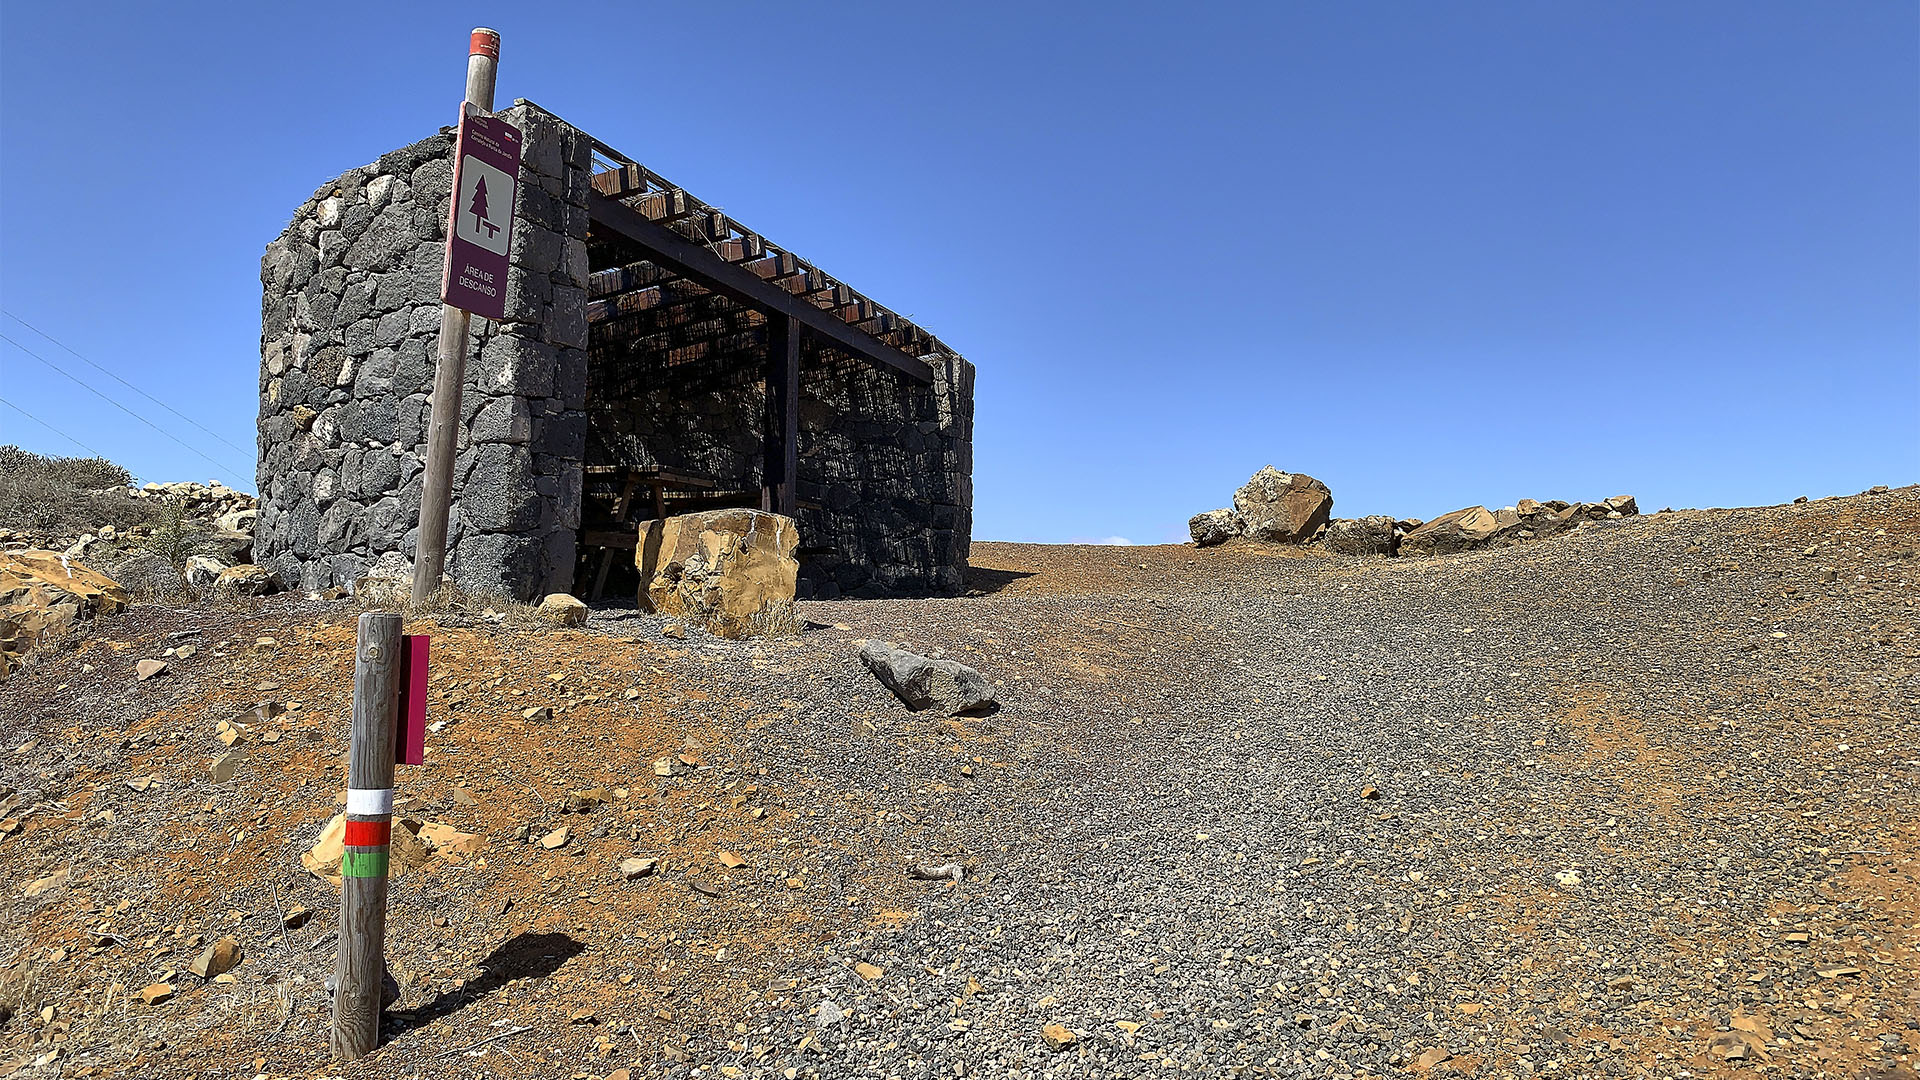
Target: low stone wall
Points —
{"points": [[349, 324]]}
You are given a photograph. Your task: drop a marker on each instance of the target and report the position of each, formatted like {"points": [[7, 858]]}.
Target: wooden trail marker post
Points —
{"points": [[359, 971], [389, 722], [450, 369]]}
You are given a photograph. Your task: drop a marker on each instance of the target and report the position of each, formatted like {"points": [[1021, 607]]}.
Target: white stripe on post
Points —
{"points": [[369, 800]]}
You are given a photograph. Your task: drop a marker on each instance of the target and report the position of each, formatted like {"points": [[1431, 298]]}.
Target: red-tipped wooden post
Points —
{"points": [[450, 371]]}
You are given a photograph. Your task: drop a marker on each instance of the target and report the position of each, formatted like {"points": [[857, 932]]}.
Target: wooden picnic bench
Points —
{"points": [[689, 491], [629, 481]]}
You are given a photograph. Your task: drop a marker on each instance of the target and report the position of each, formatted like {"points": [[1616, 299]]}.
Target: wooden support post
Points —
{"points": [[781, 471], [361, 969], [450, 372]]}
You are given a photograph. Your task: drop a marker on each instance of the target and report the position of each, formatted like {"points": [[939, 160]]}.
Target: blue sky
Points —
{"points": [[1434, 255]]}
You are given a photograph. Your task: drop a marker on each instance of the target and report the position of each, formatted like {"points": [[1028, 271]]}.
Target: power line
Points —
{"points": [[50, 427], [120, 380], [83, 385]]}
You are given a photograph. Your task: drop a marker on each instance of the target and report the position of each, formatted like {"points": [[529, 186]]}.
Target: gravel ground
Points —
{"points": [[1639, 801], [1556, 810]]}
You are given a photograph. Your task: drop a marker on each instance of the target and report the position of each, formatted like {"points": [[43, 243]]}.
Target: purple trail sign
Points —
{"points": [[485, 171]]}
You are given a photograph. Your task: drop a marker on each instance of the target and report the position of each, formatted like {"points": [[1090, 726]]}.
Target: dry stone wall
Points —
{"points": [[890, 464], [885, 463], [350, 317]]}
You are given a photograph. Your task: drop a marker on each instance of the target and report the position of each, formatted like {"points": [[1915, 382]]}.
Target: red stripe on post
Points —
{"points": [[485, 42], [368, 833]]}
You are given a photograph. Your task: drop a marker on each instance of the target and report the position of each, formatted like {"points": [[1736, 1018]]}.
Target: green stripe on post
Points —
{"points": [[364, 864]]}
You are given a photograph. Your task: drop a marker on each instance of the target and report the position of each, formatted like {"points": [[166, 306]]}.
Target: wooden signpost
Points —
{"points": [[475, 245]]}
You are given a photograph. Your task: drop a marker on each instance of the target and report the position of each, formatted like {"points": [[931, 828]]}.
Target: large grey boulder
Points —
{"points": [[1213, 527], [1285, 508], [922, 683]]}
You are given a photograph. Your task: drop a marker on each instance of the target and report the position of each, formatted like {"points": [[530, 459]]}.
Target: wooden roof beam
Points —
{"points": [[668, 248], [777, 266], [635, 275]]}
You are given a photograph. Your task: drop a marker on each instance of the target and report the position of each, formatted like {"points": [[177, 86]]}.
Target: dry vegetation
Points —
{"points": [[40, 494]]}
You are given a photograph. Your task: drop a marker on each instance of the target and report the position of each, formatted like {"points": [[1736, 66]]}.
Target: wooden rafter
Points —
{"points": [[667, 248], [677, 236]]}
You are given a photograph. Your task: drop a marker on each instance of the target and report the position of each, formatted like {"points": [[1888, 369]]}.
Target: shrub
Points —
{"points": [[65, 495]]}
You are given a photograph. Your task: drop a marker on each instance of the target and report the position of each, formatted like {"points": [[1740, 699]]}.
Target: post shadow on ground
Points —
{"points": [[523, 956]]}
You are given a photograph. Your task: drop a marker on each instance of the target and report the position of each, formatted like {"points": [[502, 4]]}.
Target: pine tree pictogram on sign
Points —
{"points": [[479, 208]]}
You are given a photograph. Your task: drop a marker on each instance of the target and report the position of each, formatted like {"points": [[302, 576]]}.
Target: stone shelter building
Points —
{"points": [[657, 357]]}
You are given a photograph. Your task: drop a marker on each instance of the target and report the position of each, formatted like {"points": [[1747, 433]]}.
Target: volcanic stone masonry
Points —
{"points": [[350, 316]]}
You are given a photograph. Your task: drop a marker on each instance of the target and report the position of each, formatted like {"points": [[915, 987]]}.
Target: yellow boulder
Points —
{"points": [[733, 571], [44, 592]]}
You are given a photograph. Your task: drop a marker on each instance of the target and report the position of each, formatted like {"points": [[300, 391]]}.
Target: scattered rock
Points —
{"points": [[922, 683], [203, 570], [157, 994], [731, 861], [870, 972], [675, 631], [440, 838], [939, 872], [1213, 527], [147, 669], [41, 886], [587, 798], [224, 766], [562, 609], [248, 580], [557, 838], [218, 959], [147, 573], [238, 521], [638, 867], [733, 570], [1057, 1037]]}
